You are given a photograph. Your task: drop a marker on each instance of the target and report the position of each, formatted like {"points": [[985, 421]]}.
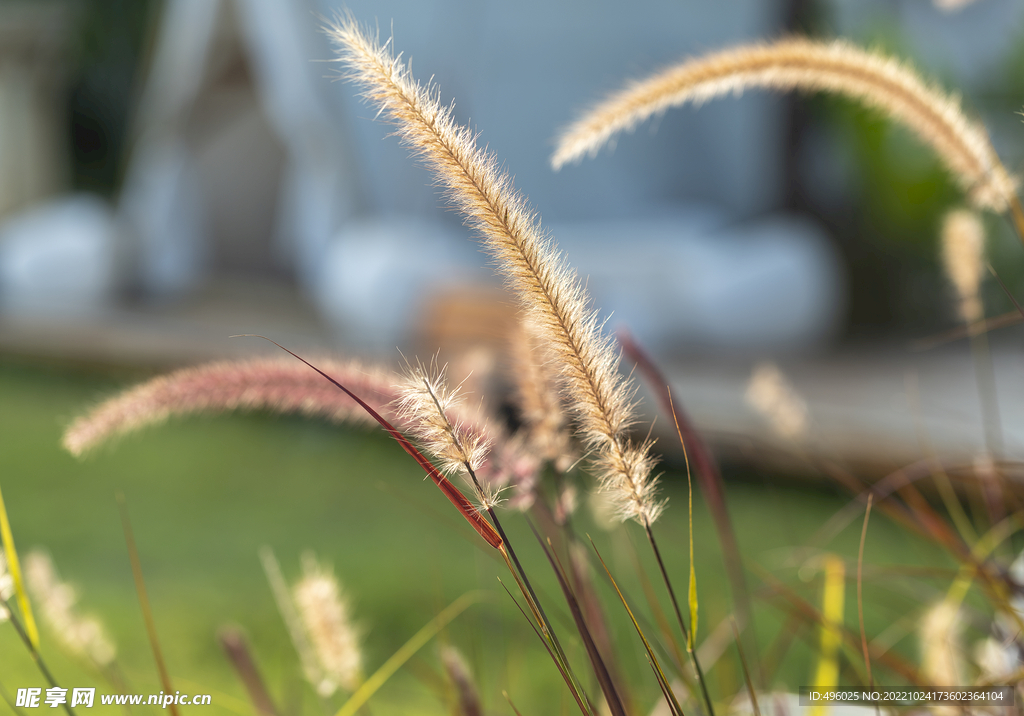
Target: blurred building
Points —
{"points": [[248, 160]]}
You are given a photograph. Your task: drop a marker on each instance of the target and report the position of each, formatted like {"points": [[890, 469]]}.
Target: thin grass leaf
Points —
{"points": [[406, 652], [36, 657], [511, 705], [860, 592], [692, 595], [31, 630], [147, 612], [464, 506], [694, 658], [659, 615], [826, 675], [10, 702], [604, 679], [1006, 290], [799, 607], [670, 697], [982, 549], [746, 671], [709, 476], [286, 607], [573, 687]]}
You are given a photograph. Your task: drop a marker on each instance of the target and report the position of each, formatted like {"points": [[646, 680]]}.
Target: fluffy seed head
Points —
{"points": [[427, 406], [540, 405], [83, 637], [327, 620], [963, 249], [838, 67], [509, 229], [281, 385], [770, 394]]}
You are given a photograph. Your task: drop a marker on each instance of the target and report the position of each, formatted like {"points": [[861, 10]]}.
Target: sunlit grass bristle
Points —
{"points": [[425, 405], [509, 229], [836, 66], [539, 402], [479, 523], [277, 385], [751, 691]]}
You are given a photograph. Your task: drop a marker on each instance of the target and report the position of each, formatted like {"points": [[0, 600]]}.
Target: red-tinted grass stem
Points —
{"points": [[481, 525]]}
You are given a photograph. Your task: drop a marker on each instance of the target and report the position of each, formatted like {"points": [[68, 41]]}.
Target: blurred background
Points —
{"points": [[174, 172]]}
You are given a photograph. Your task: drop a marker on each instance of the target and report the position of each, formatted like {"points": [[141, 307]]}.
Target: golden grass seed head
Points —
{"points": [[327, 619]]}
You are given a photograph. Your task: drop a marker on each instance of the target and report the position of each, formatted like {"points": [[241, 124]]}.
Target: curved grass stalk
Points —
{"points": [[839, 67]]}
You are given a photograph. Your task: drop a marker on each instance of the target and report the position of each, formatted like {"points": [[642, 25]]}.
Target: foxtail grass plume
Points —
{"points": [[839, 67], [328, 623], [426, 406], [509, 229], [280, 385], [963, 258], [771, 395], [6, 587], [82, 637], [540, 405]]}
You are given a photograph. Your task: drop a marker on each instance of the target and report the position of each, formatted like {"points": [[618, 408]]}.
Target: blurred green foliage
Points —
{"points": [[205, 493]]}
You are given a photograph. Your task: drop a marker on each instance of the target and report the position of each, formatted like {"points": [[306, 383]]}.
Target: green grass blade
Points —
{"points": [[14, 566], [670, 697], [406, 652]]}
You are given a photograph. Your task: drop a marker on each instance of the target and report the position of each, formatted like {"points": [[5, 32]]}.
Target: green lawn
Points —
{"points": [[205, 494]]}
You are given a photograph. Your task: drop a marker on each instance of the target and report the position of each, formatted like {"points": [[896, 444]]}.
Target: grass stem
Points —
{"points": [[679, 617], [147, 612]]}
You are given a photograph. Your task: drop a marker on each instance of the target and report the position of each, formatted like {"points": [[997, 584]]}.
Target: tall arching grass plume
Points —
{"points": [[510, 230], [280, 385], [839, 67]]}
